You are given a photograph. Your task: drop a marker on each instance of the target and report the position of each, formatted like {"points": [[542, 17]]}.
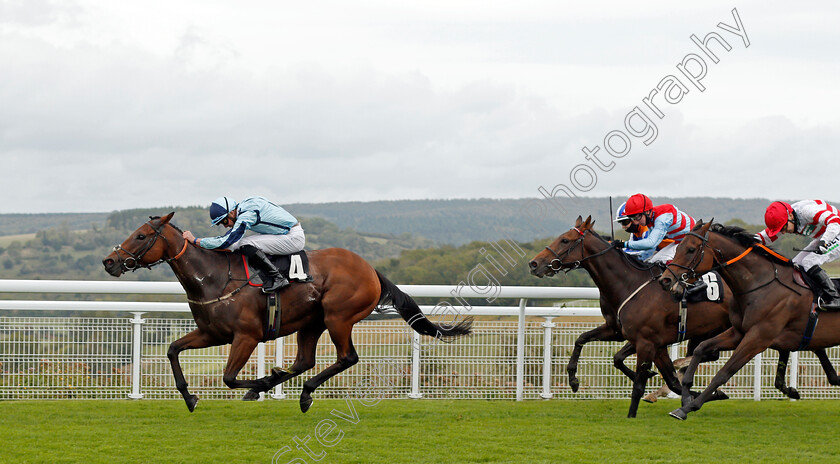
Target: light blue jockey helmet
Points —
{"points": [[619, 213], [220, 208]]}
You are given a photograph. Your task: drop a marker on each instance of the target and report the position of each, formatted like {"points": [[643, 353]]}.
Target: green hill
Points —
{"points": [[454, 222]]}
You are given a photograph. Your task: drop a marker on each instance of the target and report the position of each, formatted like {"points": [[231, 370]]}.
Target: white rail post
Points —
{"points": [[520, 352], [261, 365], [279, 347], [547, 328], [136, 352], [415, 366], [674, 351], [757, 378], [794, 370]]}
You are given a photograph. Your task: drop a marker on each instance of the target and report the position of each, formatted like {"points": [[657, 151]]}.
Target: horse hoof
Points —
{"points": [[649, 399], [575, 384], [793, 394], [678, 414], [191, 400], [721, 395], [251, 395], [305, 403]]}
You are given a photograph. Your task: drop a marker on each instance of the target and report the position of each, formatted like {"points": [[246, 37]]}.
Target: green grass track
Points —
{"points": [[416, 431]]}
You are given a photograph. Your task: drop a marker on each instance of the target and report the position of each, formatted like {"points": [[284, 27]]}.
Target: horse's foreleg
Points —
{"points": [[192, 340], [645, 354], [347, 357], [618, 361], [750, 345], [781, 370], [667, 370], [707, 351], [240, 353], [600, 333]]}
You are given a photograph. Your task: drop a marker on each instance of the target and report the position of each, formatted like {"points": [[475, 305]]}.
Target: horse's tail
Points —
{"points": [[412, 314]]}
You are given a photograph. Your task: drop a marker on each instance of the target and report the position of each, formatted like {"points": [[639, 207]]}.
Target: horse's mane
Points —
{"points": [[746, 239], [152, 218], [740, 235]]}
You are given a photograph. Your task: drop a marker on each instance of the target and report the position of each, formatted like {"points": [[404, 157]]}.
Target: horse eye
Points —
{"points": [[565, 240], [691, 249], [141, 237]]}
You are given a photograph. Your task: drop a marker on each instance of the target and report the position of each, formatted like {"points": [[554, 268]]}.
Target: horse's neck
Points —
{"points": [[202, 273], [613, 275], [746, 273]]}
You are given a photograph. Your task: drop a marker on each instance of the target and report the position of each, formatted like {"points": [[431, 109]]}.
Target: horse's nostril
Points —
{"points": [[533, 264]]}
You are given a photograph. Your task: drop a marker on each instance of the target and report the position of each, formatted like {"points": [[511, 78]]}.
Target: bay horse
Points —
{"points": [[633, 310], [227, 310], [773, 310]]}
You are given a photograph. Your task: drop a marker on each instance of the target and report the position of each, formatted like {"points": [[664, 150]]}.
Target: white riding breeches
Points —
{"points": [[271, 244], [664, 255], [808, 259]]}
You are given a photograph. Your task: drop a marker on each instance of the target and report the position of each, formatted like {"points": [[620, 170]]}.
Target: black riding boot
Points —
{"points": [[830, 297], [274, 281]]}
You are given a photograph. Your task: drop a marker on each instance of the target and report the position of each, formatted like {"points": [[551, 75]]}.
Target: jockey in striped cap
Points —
{"points": [[814, 218], [664, 222]]}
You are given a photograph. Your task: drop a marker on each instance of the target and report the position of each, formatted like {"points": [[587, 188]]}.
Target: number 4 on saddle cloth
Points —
{"points": [[295, 266]]}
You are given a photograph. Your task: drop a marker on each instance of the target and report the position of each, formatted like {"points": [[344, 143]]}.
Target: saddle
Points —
{"points": [[803, 280], [295, 266]]}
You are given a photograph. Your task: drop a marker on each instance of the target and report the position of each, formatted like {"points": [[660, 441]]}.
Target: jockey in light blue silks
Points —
{"points": [[636, 231], [276, 232], [655, 244]]}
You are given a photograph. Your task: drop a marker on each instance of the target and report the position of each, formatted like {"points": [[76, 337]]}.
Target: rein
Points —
{"points": [[136, 259]]}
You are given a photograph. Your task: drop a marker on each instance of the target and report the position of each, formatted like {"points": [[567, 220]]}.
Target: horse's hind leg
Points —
{"points": [[830, 373], [307, 341], [192, 340], [347, 357]]}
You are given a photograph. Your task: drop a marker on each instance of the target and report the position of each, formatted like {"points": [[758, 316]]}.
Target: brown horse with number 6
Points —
{"points": [[345, 289], [773, 310]]}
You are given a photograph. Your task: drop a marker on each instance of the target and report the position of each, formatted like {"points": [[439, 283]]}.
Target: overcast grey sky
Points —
{"points": [[108, 105]]}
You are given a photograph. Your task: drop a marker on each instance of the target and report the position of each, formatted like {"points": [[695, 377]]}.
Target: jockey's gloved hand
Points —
{"points": [[618, 244], [823, 248]]}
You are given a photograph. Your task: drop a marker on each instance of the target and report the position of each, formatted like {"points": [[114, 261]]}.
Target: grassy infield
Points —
{"points": [[409, 431]]}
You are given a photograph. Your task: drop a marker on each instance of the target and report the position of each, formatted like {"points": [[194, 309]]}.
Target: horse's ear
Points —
{"points": [[167, 218], [587, 224], [706, 226], [579, 221]]}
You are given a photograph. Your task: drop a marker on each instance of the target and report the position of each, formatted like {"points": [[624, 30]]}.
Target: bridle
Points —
{"points": [[719, 263], [134, 260], [691, 268], [558, 258]]}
